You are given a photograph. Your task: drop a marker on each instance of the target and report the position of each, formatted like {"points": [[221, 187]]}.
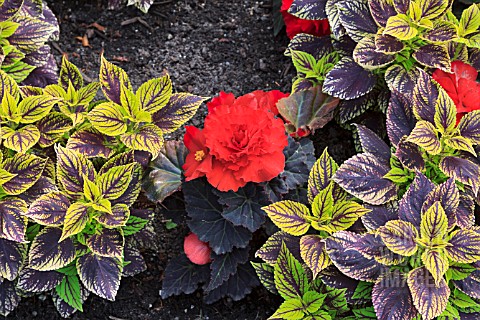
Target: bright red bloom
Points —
{"points": [[296, 25], [242, 141], [461, 86], [196, 250]]}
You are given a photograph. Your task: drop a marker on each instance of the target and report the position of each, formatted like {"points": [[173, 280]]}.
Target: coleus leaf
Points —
{"points": [[76, 220], [400, 80], [462, 170], [9, 298], [379, 215], [48, 253], [136, 263], [392, 299], [308, 109], [69, 290], [100, 275], [290, 309], [399, 237], [410, 155], [49, 209], [410, 206], [206, 219], [356, 19], [469, 126], [470, 285], [433, 8], [9, 85], [112, 78], [72, 167], [271, 248], [321, 174], [425, 95], [148, 137], [115, 181], [12, 257], [107, 243], [69, 73], [21, 140], [312, 250], [107, 118], [155, 94], [424, 135], [163, 176], [34, 108], [308, 9], [43, 186], [400, 27], [445, 113], [381, 11], [367, 55], [469, 21], [372, 143], [63, 308], [290, 277], [265, 274], [436, 263], [31, 280], [344, 215], [289, 216], [225, 265], [433, 56], [52, 127], [429, 299], [463, 246], [13, 223], [448, 196], [465, 212], [372, 246], [182, 276], [400, 119], [340, 249], [348, 80], [443, 31], [362, 176], [387, 44], [118, 218], [91, 143], [434, 224], [180, 108]]}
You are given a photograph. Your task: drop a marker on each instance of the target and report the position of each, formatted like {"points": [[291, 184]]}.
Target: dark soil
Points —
{"points": [[206, 46]]}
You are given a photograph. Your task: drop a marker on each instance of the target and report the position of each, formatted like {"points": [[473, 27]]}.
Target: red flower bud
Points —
{"points": [[196, 250]]}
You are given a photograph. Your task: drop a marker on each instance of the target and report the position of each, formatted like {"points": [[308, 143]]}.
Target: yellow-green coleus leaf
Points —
{"points": [[400, 27], [107, 119], [75, 220], [155, 94], [425, 135], [434, 225], [147, 137], [91, 190], [470, 21], [103, 205], [115, 181], [432, 8], [112, 78], [400, 237], [436, 262], [289, 216], [34, 108], [20, 140], [9, 110]]}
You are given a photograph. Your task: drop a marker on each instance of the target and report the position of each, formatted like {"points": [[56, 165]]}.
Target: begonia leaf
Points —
{"points": [[48, 253], [163, 176], [100, 275], [180, 108], [206, 219], [429, 299], [308, 109], [12, 258], [225, 265], [363, 177]]}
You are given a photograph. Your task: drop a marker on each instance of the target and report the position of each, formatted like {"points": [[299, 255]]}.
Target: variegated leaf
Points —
{"points": [[400, 118], [367, 56], [22, 139], [115, 181], [48, 253], [312, 249], [86, 95], [433, 56], [12, 258], [445, 113], [290, 278], [149, 138], [333, 15], [469, 126], [464, 246], [107, 118], [381, 10], [54, 123], [469, 21], [429, 299], [91, 143], [379, 215], [358, 12], [100, 275], [387, 44], [13, 223], [69, 73], [31, 280], [72, 167], [432, 8], [308, 9], [49, 209], [155, 94], [321, 174], [410, 155], [180, 108], [373, 144], [30, 33], [363, 177], [9, 85], [35, 108], [434, 225], [371, 246], [289, 216], [425, 97], [400, 27], [136, 262], [465, 216], [271, 248], [265, 274], [340, 249], [462, 170], [112, 78], [392, 299], [448, 196], [470, 285], [9, 297], [322, 205], [344, 215], [461, 143], [27, 169], [347, 80], [442, 31], [75, 220], [107, 243], [424, 135], [436, 262], [118, 217], [400, 237]]}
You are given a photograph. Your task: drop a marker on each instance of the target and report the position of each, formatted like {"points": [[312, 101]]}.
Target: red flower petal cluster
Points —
{"points": [[196, 250], [461, 86], [296, 25], [242, 141]]}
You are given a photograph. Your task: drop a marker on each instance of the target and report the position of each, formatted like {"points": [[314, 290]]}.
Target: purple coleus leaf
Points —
{"points": [[410, 155], [47, 253], [107, 243], [373, 144], [31, 280], [379, 215], [308, 9], [448, 196], [462, 170], [389, 45], [316, 46], [425, 97], [356, 18], [392, 299], [363, 176], [271, 248], [91, 143], [465, 216], [12, 257], [9, 297], [49, 209], [381, 11], [13, 223], [341, 250], [400, 80], [367, 55], [470, 285], [433, 56], [372, 247], [410, 206], [136, 262], [400, 119]]}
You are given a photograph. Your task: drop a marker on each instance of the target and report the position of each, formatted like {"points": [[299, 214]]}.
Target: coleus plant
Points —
{"points": [[26, 27], [224, 217], [143, 5]]}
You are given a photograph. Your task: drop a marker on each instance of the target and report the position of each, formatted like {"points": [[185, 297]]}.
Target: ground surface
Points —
{"points": [[206, 46]]}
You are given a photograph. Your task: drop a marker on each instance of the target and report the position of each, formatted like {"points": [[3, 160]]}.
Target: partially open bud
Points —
{"points": [[196, 250]]}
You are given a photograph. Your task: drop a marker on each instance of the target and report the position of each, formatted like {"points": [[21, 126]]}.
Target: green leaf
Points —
{"points": [[365, 313], [70, 292], [290, 277], [289, 216], [291, 309], [470, 21], [459, 271], [8, 28], [363, 291], [22, 139], [396, 175], [303, 61], [107, 119], [399, 26], [461, 300], [313, 301], [155, 94], [134, 225]]}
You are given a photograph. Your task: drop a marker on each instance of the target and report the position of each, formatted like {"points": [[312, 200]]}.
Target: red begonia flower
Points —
{"points": [[196, 250], [198, 160], [461, 86], [296, 25]]}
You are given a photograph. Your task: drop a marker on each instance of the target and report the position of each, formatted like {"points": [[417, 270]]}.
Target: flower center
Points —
{"points": [[199, 155]]}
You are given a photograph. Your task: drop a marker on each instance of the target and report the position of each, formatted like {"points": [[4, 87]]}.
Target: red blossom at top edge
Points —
{"points": [[461, 87], [296, 25], [196, 250]]}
